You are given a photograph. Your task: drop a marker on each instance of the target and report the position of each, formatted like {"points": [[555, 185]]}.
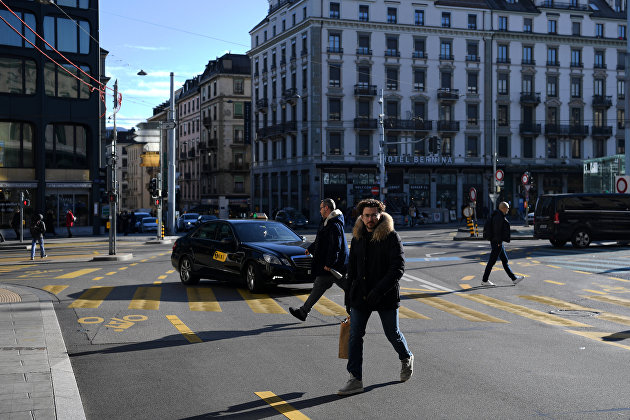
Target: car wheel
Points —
{"points": [[581, 238], [253, 278], [557, 243], [186, 274]]}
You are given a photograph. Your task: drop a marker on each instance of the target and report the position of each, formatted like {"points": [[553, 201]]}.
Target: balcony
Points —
{"points": [[213, 142], [274, 7], [187, 176], [600, 66], [553, 63], [407, 125], [530, 98], [552, 4], [556, 130], [262, 104], [621, 66], [528, 62], [365, 123], [364, 51], [578, 65], [334, 50], [392, 53], [529, 129], [448, 126], [290, 95], [182, 155], [203, 146], [602, 131], [363, 89], [238, 167], [419, 54], [578, 130], [472, 58], [448, 94], [503, 60], [602, 101], [447, 57]]}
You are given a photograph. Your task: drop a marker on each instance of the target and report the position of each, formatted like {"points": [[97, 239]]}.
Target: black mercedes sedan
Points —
{"points": [[257, 252]]}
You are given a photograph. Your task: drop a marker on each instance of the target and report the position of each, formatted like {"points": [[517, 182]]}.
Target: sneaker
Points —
{"points": [[407, 369], [353, 386], [298, 313], [517, 279], [32, 258], [44, 256], [487, 283]]}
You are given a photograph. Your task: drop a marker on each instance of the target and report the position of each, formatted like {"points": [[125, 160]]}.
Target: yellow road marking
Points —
{"points": [[453, 308], [283, 407], [552, 266], [524, 311], [92, 297], [261, 303], [466, 278], [536, 261], [55, 289], [77, 273], [145, 260], [611, 299], [146, 298], [595, 291], [95, 252], [202, 299], [560, 304], [604, 337], [325, 306], [97, 278], [170, 271], [465, 286], [581, 272], [162, 277], [111, 273], [157, 282], [554, 282], [8, 268], [183, 329], [618, 279], [133, 264], [404, 312], [123, 268]]}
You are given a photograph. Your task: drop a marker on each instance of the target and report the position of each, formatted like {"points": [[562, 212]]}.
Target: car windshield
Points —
{"points": [[148, 220], [265, 232], [190, 216]]}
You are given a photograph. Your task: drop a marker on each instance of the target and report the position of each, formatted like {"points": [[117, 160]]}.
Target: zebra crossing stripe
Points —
{"points": [[611, 299], [55, 289], [604, 337], [404, 312], [146, 298], [281, 406], [561, 304], [453, 308], [202, 299], [92, 297], [183, 329], [261, 303], [78, 273], [324, 305]]}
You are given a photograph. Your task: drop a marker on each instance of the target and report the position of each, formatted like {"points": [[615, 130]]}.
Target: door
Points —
{"points": [[225, 259], [203, 247]]}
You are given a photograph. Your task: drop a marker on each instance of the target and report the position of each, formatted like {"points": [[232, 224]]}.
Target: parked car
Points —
{"points": [[139, 216], [291, 218], [205, 218], [582, 218], [256, 252], [187, 221], [530, 218], [148, 224]]}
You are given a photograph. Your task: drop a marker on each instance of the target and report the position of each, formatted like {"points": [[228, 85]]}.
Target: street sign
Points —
{"points": [[499, 175], [473, 194], [168, 125], [525, 178], [622, 184], [374, 190], [468, 212]]}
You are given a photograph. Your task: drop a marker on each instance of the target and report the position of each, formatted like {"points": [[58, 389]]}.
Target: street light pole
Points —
{"points": [[171, 161], [113, 196], [381, 154]]}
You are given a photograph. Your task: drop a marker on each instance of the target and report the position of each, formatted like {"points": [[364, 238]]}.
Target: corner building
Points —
{"points": [[543, 80]]}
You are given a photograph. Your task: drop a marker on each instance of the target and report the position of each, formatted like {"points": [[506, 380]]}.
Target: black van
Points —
{"points": [[582, 218]]}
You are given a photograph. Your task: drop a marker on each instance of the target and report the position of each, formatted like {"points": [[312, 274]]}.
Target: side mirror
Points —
{"points": [[303, 238]]}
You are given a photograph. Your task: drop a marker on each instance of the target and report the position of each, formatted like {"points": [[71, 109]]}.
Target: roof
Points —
{"points": [[227, 64]]}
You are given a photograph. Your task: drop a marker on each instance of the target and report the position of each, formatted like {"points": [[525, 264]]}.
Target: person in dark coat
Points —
{"points": [[16, 222], [500, 233], [375, 267], [50, 223], [330, 251], [38, 228]]}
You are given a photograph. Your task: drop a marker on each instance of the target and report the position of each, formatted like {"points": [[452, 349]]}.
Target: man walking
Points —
{"points": [[330, 251], [499, 233], [376, 264], [38, 228]]}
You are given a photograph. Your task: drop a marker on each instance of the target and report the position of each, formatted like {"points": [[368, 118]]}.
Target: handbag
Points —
{"points": [[344, 338]]}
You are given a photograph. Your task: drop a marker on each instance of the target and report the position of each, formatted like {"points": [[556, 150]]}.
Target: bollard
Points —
{"points": [[471, 226]]}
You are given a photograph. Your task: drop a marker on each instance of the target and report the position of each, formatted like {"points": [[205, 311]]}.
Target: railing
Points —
{"points": [[448, 94], [182, 155], [576, 64], [407, 125], [503, 60], [600, 66], [578, 130], [262, 103], [529, 128], [364, 51], [191, 152], [238, 166], [603, 101], [392, 53], [552, 4], [289, 126], [365, 123], [473, 57], [446, 57], [419, 54], [365, 89], [602, 130], [553, 63], [290, 94], [279, 4], [335, 50], [528, 62], [446, 125], [530, 97]]}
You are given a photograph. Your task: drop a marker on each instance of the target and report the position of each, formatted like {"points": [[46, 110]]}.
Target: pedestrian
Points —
{"points": [[1, 237], [50, 223], [38, 228], [125, 222], [499, 233], [375, 267], [70, 219], [16, 221], [132, 222], [412, 214], [330, 251]]}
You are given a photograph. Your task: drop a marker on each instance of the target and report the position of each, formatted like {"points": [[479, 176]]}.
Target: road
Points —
{"points": [[143, 346]]}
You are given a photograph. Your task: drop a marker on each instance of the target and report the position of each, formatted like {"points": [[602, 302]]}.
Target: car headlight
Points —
{"points": [[272, 259]]}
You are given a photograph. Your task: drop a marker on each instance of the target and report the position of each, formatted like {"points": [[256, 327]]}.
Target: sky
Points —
{"points": [[161, 36]]}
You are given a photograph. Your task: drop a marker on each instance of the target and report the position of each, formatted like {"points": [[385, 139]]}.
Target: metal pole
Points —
{"points": [[21, 216], [171, 162], [159, 187], [627, 96], [112, 200], [381, 155]]}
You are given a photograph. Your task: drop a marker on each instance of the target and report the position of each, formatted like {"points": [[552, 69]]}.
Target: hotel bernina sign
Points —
{"points": [[419, 160]]}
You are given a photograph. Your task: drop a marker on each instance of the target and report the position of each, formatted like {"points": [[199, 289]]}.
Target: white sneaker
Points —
{"points": [[407, 369], [518, 279], [353, 386], [487, 283]]}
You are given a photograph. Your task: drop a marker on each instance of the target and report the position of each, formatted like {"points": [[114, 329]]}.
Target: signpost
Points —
{"points": [[622, 184], [375, 191]]}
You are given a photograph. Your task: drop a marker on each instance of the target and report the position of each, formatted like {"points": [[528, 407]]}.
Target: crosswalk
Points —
{"points": [[596, 261]]}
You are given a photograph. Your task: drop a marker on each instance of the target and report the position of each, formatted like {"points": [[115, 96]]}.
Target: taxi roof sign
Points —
{"points": [[259, 216]]}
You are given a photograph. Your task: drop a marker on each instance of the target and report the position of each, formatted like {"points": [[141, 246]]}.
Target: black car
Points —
{"points": [[291, 218], [257, 252], [582, 218], [205, 218]]}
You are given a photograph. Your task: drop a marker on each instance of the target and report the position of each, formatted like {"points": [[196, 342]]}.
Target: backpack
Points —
{"points": [[487, 228], [36, 229]]}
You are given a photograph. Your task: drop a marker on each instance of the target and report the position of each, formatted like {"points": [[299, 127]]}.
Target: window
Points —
{"points": [[391, 145], [273, 30], [419, 48], [334, 75], [527, 84], [419, 79], [576, 148], [599, 30], [391, 78], [9, 37], [239, 134], [18, 76], [392, 15], [472, 21], [304, 143], [502, 54], [472, 148], [502, 146], [528, 147], [621, 31], [527, 25], [599, 148], [334, 10], [552, 56], [503, 84], [446, 50], [334, 144], [576, 58], [363, 109], [419, 17], [598, 87], [304, 44], [503, 23], [66, 147], [446, 80], [364, 44], [62, 83], [304, 77], [391, 43], [472, 51], [364, 145], [238, 110], [334, 43], [446, 20], [67, 35], [472, 114], [598, 61], [552, 26], [576, 28], [503, 118], [418, 150], [284, 25], [419, 109], [364, 13], [576, 87], [621, 89], [239, 88], [552, 147], [528, 54], [334, 109], [447, 146], [363, 76], [17, 139], [473, 82]]}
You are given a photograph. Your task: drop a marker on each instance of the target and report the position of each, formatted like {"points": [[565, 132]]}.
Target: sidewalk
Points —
{"points": [[517, 232], [36, 377]]}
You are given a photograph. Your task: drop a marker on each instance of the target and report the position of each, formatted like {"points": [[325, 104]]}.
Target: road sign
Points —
{"points": [[168, 125], [374, 190], [499, 175], [473, 194], [525, 178], [468, 212], [622, 184]]}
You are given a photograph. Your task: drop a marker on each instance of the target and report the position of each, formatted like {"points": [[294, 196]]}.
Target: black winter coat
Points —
{"points": [[381, 272], [500, 227], [330, 248]]}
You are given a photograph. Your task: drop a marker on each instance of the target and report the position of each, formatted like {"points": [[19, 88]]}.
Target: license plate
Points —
{"points": [[543, 226]]}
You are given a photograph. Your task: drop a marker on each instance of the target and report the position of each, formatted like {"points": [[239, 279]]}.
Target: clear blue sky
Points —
{"points": [[161, 36]]}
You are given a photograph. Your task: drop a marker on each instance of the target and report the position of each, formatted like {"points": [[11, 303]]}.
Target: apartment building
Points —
{"points": [[542, 81], [189, 128]]}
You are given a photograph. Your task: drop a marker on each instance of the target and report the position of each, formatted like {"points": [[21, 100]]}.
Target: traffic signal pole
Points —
{"points": [[21, 216], [114, 196]]}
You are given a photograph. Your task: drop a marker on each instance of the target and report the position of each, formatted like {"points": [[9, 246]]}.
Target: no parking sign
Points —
{"points": [[622, 184]]}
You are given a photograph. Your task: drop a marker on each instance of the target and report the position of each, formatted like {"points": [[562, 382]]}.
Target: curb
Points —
{"points": [[469, 238]]}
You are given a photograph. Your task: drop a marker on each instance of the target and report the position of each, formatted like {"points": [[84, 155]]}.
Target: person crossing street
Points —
{"points": [[499, 233]]}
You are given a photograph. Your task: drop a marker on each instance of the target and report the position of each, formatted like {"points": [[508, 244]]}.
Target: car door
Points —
{"points": [[202, 245], [226, 259]]}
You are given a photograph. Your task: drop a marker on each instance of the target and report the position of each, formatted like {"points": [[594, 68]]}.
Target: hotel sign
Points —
{"points": [[419, 160]]}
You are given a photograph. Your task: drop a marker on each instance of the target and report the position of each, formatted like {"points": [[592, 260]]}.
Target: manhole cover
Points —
{"points": [[574, 312]]}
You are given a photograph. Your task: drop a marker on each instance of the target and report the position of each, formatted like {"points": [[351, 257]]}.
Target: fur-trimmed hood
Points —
{"points": [[383, 229], [332, 215]]}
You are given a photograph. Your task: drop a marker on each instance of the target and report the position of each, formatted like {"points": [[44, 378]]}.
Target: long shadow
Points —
{"points": [[618, 336], [424, 295]]}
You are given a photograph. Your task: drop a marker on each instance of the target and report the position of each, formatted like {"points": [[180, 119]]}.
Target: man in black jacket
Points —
{"points": [[500, 232], [376, 264], [330, 251]]}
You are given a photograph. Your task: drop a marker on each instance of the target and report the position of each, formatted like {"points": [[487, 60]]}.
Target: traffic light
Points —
{"points": [[157, 201], [113, 197], [153, 187], [26, 202]]}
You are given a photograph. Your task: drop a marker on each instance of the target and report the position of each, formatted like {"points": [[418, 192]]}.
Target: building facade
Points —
{"points": [[49, 115], [188, 134], [539, 83]]}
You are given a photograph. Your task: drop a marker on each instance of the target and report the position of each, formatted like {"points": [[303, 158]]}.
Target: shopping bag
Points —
{"points": [[344, 338]]}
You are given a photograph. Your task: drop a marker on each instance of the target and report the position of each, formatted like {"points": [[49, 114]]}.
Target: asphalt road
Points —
{"points": [[143, 346]]}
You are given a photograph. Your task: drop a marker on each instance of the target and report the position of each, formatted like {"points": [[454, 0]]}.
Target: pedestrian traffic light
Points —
{"points": [[153, 187], [26, 202], [113, 197], [157, 201]]}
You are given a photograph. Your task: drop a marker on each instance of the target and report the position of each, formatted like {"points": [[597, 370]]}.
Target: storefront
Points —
{"points": [[335, 187], [61, 197]]}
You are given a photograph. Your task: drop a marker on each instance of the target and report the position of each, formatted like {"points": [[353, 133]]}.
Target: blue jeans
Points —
{"points": [[498, 251], [358, 322], [41, 247]]}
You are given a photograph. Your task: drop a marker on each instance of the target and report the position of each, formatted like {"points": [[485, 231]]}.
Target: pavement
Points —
{"points": [[517, 232]]}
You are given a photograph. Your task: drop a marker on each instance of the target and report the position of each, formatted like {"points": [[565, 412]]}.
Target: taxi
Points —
{"points": [[257, 252]]}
